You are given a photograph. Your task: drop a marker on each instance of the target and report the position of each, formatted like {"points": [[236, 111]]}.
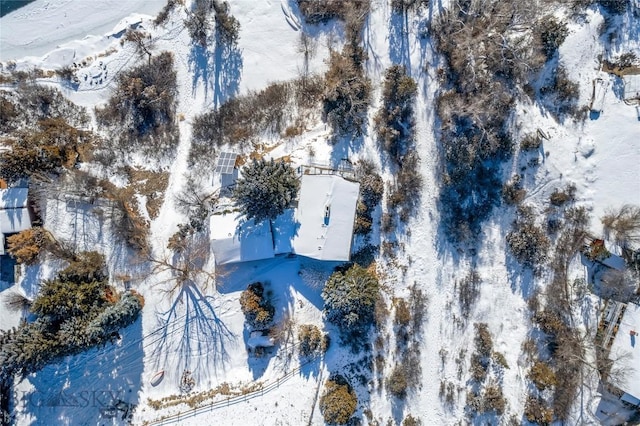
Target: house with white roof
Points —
{"points": [[625, 351], [326, 214], [321, 227]]}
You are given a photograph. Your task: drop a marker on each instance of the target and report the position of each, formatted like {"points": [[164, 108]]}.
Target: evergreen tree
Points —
{"points": [[350, 298], [266, 189]]}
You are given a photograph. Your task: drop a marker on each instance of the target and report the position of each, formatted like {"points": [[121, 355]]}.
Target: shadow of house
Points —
{"points": [[15, 216]]}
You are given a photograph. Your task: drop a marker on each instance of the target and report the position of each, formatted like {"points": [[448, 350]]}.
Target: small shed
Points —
{"points": [[226, 171]]}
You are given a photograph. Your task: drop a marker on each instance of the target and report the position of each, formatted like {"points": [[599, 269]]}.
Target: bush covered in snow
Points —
{"points": [[266, 189], [338, 401], [527, 241], [312, 340], [350, 298], [27, 245], [394, 122], [256, 306]]}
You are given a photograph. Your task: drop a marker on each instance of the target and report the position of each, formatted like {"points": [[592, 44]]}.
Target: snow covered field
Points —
{"points": [[202, 329]]}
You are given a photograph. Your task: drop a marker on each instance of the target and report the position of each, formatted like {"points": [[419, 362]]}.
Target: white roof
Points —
{"points": [[237, 240], [326, 212], [631, 86], [14, 220], [13, 198], [626, 349]]}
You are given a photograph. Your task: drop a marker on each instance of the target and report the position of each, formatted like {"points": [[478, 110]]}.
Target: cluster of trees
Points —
{"points": [[73, 312], [266, 189], [30, 103], [256, 306], [490, 61], [42, 150], [141, 110], [243, 119]]}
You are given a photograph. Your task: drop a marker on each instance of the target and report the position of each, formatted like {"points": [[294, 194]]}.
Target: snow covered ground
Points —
{"points": [[202, 329]]}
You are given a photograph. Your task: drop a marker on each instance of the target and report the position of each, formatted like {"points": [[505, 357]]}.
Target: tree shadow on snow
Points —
{"points": [[399, 51], [192, 329], [218, 71], [100, 385]]}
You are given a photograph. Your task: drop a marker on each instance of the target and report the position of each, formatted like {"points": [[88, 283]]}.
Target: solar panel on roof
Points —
{"points": [[226, 163]]}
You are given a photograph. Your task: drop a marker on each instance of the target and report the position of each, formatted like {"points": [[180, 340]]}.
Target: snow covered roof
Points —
{"points": [[14, 220], [236, 240], [626, 348], [631, 86], [13, 198], [326, 212]]}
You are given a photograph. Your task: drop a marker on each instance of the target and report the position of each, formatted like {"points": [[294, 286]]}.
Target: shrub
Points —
{"points": [[493, 399], [483, 340], [528, 242], [350, 298], [542, 375], [347, 91], [537, 411], [512, 191], [266, 189], [552, 34], [411, 421], [312, 340], [468, 292], [338, 401], [560, 197], [397, 382], [394, 121], [402, 316], [27, 245], [530, 142], [256, 307], [85, 266]]}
